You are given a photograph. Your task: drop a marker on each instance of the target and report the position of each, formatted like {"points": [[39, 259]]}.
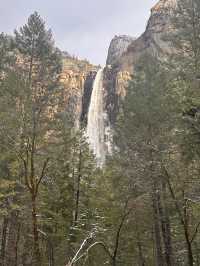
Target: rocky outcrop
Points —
{"points": [[118, 46], [88, 86], [152, 40], [115, 83], [74, 78]]}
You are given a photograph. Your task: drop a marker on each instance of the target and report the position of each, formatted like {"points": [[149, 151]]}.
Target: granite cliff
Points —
{"points": [[122, 59], [118, 46], [152, 40], [76, 78]]}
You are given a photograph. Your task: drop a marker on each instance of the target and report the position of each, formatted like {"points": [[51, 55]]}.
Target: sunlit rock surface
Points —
{"points": [[73, 77]]}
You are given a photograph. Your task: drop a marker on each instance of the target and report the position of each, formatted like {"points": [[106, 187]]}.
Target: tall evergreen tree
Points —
{"points": [[37, 70]]}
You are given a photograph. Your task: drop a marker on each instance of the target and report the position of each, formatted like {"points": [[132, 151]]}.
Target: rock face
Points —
{"points": [[76, 76], [152, 39], [118, 46], [124, 52], [88, 86]]}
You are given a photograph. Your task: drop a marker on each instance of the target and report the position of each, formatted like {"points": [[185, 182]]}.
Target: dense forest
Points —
{"points": [[57, 207]]}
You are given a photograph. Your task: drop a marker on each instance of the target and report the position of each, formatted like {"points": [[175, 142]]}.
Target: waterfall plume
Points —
{"points": [[95, 124]]}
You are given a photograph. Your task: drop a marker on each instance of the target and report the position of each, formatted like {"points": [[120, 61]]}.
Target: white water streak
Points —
{"points": [[95, 125]]}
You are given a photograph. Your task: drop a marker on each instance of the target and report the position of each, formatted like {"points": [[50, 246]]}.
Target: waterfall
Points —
{"points": [[95, 124]]}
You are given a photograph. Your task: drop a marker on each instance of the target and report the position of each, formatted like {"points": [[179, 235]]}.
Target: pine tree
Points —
{"points": [[38, 68]]}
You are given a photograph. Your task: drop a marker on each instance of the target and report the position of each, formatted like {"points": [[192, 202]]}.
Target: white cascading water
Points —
{"points": [[95, 123]]}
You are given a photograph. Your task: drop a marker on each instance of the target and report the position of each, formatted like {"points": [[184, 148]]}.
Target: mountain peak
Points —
{"points": [[162, 5], [118, 46]]}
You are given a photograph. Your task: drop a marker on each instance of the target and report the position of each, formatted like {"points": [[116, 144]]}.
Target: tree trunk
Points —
{"points": [[157, 234], [50, 254], [189, 247], [114, 259], [77, 200], [26, 254], [141, 261], [4, 241], [17, 244], [37, 256], [197, 254], [13, 239], [183, 220], [165, 225], [77, 196], [141, 258], [118, 234]]}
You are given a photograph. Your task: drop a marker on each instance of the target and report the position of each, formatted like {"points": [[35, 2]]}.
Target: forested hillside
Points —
{"points": [[142, 206]]}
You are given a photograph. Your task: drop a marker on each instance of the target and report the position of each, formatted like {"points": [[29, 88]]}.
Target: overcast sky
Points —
{"points": [[82, 27]]}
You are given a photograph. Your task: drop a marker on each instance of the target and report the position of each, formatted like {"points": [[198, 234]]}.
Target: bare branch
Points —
{"points": [[79, 250], [92, 246], [195, 233], [42, 174]]}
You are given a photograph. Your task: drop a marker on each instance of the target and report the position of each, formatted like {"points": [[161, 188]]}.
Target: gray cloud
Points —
{"points": [[81, 27]]}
